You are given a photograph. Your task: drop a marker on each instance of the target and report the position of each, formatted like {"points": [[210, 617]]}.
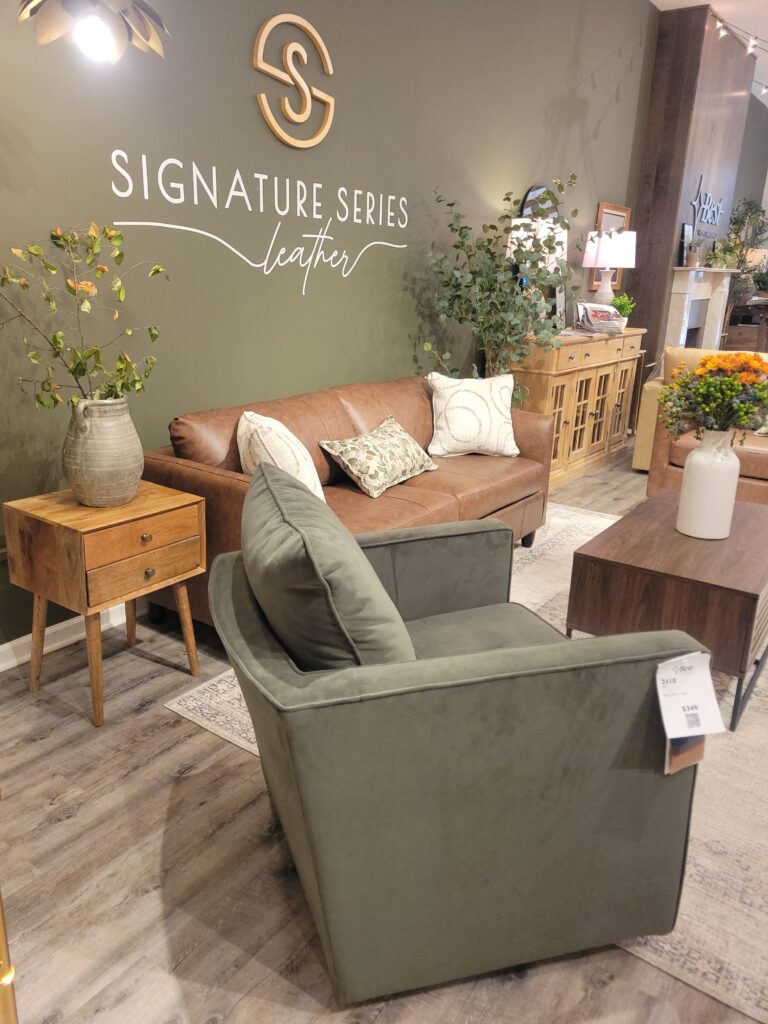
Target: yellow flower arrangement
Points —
{"points": [[728, 390]]}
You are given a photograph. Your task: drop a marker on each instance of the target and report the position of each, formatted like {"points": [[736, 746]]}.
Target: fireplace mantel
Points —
{"points": [[699, 299]]}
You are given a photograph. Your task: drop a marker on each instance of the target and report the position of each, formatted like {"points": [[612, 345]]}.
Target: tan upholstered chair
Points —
{"points": [[664, 457]]}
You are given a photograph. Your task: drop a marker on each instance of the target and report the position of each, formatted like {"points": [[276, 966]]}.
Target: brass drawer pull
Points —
{"points": [[149, 573], [571, 358], [146, 537]]}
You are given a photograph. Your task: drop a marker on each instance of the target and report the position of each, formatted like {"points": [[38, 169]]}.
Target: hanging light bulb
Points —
{"points": [[752, 45], [102, 29], [718, 24], [94, 39], [723, 31], [764, 90]]}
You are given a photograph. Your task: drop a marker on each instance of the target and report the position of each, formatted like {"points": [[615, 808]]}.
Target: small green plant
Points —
{"points": [[53, 301], [694, 246], [500, 280], [624, 304]]}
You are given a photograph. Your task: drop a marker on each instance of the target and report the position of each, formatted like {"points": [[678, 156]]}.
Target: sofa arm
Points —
{"points": [[647, 419], [427, 570], [224, 492], [534, 433]]}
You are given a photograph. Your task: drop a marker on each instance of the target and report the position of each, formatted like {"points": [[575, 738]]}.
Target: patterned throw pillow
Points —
{"points": [[263, 439], [472, 416], [381, 459]]}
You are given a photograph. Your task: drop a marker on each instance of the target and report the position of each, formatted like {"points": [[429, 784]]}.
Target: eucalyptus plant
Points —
{"points": [[748, 230], [500, 280], [67, 289]]}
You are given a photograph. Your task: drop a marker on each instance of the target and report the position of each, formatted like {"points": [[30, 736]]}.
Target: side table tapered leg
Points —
{"points": [[93, 641], [187, 629], [130, 622], [39, 612]]}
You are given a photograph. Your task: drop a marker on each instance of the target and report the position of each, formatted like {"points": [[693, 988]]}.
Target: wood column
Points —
{"points": [[698, 109]]}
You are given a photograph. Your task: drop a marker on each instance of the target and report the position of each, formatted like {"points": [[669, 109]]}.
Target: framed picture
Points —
{"points": [[610, 217]]}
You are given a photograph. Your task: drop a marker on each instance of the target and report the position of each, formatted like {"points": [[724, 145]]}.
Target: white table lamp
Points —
{"points": [[607, 251]]}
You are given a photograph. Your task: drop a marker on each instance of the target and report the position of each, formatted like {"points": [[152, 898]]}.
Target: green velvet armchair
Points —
{"points": [[497, 801]]}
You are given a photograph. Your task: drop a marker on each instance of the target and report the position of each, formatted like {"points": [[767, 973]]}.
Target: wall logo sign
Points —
{"points": [[289, 74], [705, 209]]}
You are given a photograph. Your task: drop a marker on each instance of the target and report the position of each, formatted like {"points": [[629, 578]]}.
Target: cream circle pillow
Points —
{"points": [[472, 415], [263, 439]]}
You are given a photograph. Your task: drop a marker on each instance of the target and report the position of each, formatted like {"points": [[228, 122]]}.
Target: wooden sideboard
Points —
{"points": [[586, 384]]}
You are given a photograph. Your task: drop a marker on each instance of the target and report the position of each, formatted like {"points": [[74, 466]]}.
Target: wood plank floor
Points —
{"points": [[145, 881]]}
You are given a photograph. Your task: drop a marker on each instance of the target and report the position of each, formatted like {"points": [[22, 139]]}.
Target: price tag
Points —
{"points": [[689, 709], [687, 697]]}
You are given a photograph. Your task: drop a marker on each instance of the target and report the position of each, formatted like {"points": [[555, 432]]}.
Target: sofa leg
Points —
{"points": [[155, 613], [527, 540]]}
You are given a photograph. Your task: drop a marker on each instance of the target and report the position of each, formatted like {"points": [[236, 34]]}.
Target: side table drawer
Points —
{"points": [[111, 582], [568, 357], [104, 547], [593, 352]]}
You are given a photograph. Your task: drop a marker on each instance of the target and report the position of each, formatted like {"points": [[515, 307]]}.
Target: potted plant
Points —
{"points": [[68, 288], [693, 257], [717, 256], [726, 392], [500, 280], [625, 305]]}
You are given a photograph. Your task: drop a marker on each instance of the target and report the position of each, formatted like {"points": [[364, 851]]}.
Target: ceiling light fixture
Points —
{"points": [[102, 29]]}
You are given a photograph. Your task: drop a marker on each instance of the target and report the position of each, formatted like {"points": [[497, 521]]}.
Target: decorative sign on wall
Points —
{"points": [[290, 75], [323, 210], [706, 211]]}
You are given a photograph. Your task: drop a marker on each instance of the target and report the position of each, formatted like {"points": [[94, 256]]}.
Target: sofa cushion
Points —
{"points": [[211, 436], [474, 630], [313, 582], [376, 461], [399, 506], [753, 454], [265, 439], [482, 484]]}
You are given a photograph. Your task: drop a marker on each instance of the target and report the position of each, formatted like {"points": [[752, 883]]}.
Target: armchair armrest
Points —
{"points": [[427, 570]]}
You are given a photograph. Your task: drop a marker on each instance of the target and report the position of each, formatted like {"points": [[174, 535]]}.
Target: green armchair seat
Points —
{"points": [[498, 800]]}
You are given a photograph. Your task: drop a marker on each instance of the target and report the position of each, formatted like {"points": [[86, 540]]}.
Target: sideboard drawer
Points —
{"points": [[103, 547], [631, 347], [592, 352], [568, 357], [615, 348], [118, 579]]}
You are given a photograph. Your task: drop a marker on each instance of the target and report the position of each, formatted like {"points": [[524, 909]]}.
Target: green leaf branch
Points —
{"points": [[54, 294]]}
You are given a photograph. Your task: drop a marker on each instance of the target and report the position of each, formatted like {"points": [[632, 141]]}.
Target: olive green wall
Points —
{"points": [[474, 96]]}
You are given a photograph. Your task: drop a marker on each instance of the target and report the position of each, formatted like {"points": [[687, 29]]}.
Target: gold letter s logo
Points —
{"points": [[293, 52]]}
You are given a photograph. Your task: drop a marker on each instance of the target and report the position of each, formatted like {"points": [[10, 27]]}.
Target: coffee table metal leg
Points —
{"points": [[743, 694]]}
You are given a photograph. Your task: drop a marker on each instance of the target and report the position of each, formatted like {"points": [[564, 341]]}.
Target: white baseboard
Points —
{"points": [[19, 651]]}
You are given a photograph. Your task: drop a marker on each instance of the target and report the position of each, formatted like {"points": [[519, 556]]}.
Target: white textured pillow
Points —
{"points": [[472, 415], [263, 439]]}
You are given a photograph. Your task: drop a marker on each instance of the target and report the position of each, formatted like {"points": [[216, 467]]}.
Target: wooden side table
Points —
{"points": [[90, 559]]}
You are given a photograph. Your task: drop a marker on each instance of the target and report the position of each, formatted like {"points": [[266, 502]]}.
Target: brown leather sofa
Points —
{"points": [[203, 459]]}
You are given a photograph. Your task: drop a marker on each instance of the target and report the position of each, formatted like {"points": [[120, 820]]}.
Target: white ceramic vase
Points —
{"points": [[708, 494]]}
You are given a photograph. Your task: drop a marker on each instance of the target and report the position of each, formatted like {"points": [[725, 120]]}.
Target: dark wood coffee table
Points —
{"points": [[641, 574]]}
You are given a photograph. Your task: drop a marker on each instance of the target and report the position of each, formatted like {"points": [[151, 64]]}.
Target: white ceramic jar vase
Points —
{"points": [[708, 494]]}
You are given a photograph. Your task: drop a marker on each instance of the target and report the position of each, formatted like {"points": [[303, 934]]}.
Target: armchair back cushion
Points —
{"points": [[310, 577]]}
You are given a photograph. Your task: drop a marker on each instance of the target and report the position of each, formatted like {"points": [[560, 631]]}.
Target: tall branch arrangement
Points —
{"points": [[53, 301], [501, 280]]}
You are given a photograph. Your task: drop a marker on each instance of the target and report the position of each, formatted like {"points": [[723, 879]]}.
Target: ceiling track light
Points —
{"points": [[101, 29]]}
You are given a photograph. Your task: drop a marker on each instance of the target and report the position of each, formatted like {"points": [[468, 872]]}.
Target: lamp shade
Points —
{"points": [[612, 249]]}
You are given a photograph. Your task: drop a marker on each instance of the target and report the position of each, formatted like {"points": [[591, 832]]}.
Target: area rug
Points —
{"points": [[218, 706], [720, 943]]}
